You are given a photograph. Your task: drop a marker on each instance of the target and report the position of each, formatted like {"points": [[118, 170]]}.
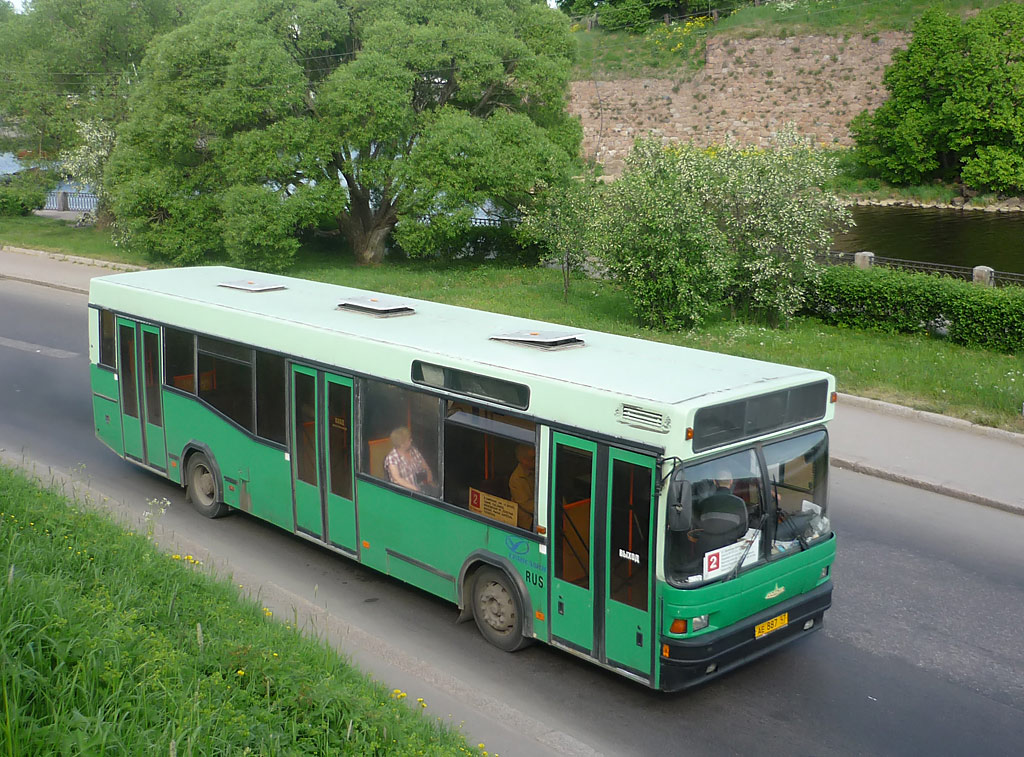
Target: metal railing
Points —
{"points": [[76, 201], [965, 273]]}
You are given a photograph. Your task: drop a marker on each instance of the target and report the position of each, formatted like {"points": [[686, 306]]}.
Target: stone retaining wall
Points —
{"points": [[747, 90]]}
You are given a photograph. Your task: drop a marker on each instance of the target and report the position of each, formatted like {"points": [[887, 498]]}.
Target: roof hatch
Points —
{"points": [[542, 340], [253, 285], [378, 307]]}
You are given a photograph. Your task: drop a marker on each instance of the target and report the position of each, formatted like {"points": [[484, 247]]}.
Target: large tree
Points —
{"points": [[955, 109], [263, 115]]}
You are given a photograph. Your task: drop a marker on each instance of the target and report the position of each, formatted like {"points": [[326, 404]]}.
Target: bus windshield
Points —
{"points": [[746, 507]]}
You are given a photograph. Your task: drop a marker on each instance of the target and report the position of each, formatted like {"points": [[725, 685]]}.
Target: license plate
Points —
{"points": [[763, 629]]}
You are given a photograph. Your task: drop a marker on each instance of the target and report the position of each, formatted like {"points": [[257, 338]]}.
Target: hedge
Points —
{"points": [[894, 301]]}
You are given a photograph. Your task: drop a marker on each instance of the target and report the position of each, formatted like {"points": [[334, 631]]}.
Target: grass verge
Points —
{"points": [[54, 235], [108, 646]]}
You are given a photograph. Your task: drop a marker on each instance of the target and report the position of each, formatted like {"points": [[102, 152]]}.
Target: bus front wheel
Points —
{"points": [[497, 610], [201, 487]]}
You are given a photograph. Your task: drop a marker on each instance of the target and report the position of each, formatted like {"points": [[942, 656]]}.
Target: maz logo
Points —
{"points": [[777, 591], [517, 546]]}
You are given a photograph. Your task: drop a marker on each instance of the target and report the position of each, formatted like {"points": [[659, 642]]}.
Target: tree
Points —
{"points": [[560, 221], [772, 208], [66, 63], [688, 231], [385, 115], [954, 108], [657, 240]]}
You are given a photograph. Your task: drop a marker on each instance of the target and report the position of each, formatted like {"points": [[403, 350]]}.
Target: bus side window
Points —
{"points": [[107, 338], [387, 408], [179, 360], [270, 396], [489, 464]]}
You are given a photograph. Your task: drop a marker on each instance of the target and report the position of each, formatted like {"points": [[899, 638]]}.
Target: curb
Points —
{"points": [[933, 418], [60, 257], [917, 483]]}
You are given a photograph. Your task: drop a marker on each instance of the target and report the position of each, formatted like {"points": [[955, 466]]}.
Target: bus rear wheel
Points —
{"points": [[497, 610], [201, 487]]}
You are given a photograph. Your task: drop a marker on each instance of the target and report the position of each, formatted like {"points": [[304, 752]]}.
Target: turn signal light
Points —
{"points": [[834, 397], [689, 434], [678, 626], [664, 650], [366, 545], [539, 615]]}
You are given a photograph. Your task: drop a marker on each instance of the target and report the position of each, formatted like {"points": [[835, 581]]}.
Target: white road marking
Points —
{"points": [[37, 349]]}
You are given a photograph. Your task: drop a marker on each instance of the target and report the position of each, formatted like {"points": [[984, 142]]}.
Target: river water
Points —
{"points": [[937, 235]]}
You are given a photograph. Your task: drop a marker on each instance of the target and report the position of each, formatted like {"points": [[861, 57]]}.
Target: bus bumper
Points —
{"points": [[688, 660]]}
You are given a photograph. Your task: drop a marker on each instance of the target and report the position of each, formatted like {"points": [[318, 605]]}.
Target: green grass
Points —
{"points": [[101, 653], [654, 54], [839, 16], [55, 235]]}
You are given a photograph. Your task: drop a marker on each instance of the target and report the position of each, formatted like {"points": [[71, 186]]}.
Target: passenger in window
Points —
{"points": [[521, 484], [405, 465]]}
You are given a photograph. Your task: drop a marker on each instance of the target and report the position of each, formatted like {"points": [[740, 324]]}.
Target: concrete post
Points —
{"points": [[984, 275], [62, 201], [863, 259]]}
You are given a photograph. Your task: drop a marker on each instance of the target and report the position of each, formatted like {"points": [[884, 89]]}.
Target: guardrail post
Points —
{"points": [[863, 259], [984, 275]]}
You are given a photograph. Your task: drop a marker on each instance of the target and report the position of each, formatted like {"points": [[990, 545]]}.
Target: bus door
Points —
{"points": [[628, 616], [321, 450], [602, 552], [141, 402], [574, 473]]}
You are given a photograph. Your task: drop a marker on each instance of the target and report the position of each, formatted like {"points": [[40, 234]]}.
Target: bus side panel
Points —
{"points": [[106, 409], [416, 542], [261, 475], [427, 546]]}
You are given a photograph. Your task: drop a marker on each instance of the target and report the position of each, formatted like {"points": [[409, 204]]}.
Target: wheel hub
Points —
{"points": [[498, 607]]}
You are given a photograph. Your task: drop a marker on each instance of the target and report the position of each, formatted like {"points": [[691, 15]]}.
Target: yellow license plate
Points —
{"points": [[763, 629]]}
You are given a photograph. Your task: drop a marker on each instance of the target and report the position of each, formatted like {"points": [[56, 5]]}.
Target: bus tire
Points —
{"points": [[201, 487], [498, 610]]}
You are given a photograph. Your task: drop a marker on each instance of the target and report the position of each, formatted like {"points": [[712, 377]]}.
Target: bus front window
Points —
{"points": [[725, 499], [798, 475]]}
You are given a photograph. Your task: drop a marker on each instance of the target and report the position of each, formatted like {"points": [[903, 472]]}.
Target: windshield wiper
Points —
{"points": [[760, 529]]}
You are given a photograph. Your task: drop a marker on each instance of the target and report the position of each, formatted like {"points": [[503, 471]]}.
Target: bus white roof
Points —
{"points": [[219, 301]]}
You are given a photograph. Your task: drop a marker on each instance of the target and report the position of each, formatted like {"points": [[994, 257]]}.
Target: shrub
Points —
{"points": [[632, 15], [23, 192], [892, 301]]}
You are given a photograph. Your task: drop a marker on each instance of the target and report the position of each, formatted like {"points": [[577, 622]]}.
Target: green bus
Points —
{"points": [[656, 510]]}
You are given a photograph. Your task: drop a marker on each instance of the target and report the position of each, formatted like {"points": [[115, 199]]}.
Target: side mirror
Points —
{"points": [[680, 505]]}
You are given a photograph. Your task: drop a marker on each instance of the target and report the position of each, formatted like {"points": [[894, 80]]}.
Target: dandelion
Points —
{"points": [[241, 672], [176, 557]]}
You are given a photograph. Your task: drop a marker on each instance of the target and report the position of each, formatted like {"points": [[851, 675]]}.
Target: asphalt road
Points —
{"points": [[922, 652]]}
